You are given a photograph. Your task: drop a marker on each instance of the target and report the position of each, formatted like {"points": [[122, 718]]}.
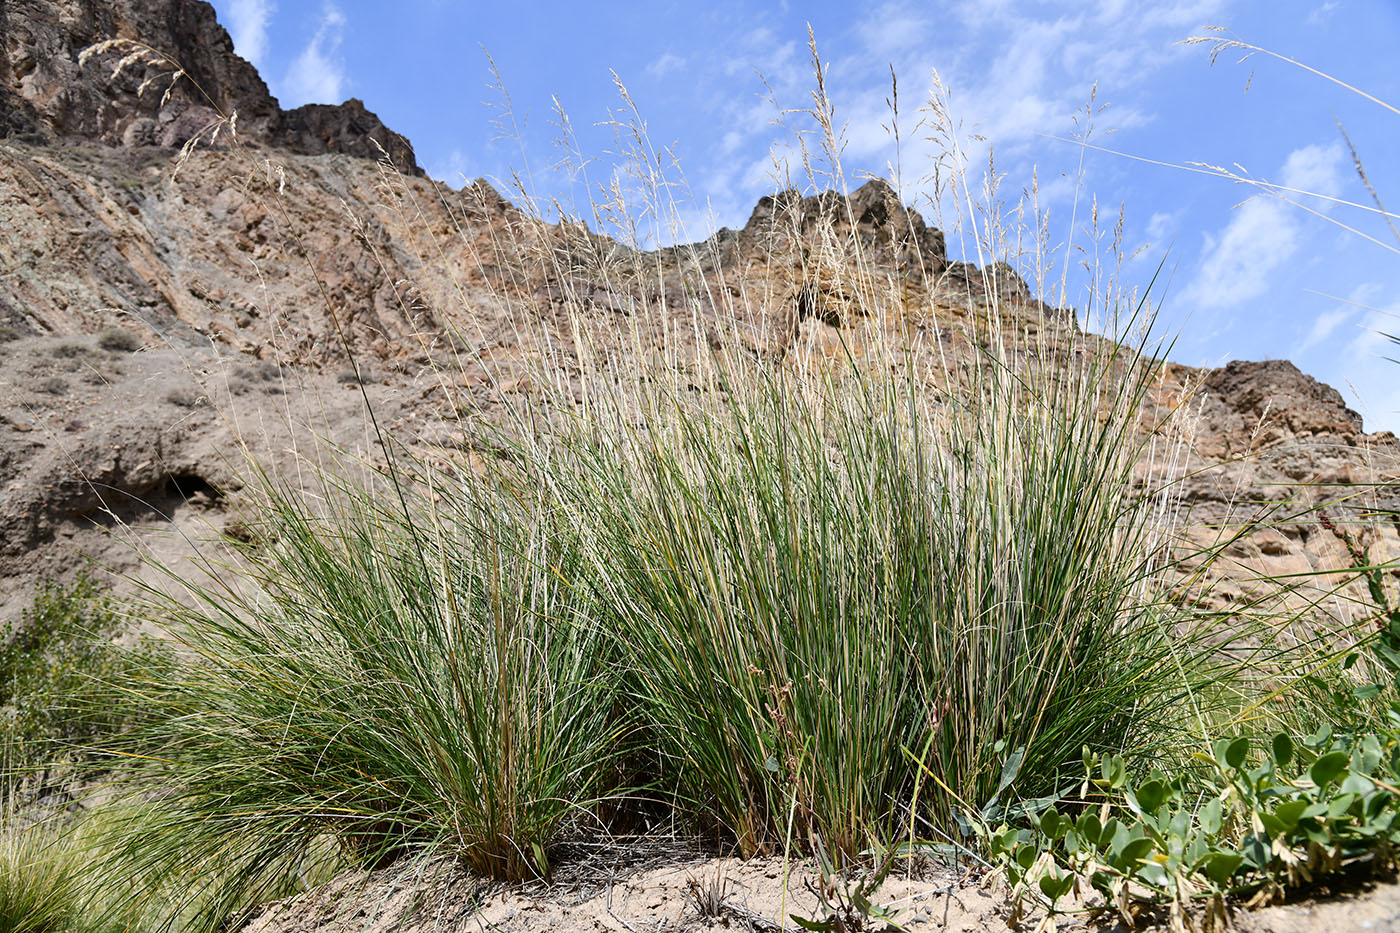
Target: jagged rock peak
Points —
{"points": [[873, 212], [1276, 392], [49, 96]]}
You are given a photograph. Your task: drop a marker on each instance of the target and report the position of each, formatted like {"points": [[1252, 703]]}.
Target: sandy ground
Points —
{"points": [[667, 892]]}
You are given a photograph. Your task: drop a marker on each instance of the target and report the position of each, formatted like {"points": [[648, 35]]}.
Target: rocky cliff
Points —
{"points": [[50, 92], [133, 296]]}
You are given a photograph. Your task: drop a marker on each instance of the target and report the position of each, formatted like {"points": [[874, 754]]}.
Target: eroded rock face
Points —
{"points": [[48, 94], [790, 226], [97, 237], [1259, 404], [345, 128], [1262, 446]]}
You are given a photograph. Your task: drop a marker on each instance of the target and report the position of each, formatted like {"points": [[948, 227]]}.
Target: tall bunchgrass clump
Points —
{"points": [[41, 885], [66, 871], [398, 674], [823, 595], [57, 875]]}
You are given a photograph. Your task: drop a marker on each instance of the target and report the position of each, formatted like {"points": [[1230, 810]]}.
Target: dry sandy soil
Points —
{"points": [[676, 893]]}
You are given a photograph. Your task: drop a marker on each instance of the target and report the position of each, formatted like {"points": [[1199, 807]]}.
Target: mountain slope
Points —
{"points": [[313, 232]]}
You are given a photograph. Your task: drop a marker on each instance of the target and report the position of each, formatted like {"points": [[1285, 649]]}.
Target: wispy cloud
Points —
{"points": [[247, 24], [1016, 72], [452, 169], [1316, 169], [892, 28], [1163, 224], [1323, 328], [664, 64], [318, 73], [1239, 262], [1371, 370], [1323, 13]]}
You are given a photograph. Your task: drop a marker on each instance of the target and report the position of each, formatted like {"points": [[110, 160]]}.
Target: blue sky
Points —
{"points": [[1250, 278]]}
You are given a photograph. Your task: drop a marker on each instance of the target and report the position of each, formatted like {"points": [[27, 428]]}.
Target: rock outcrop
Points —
{"points": [[50, 92], [794, 229], [1261, 404]]}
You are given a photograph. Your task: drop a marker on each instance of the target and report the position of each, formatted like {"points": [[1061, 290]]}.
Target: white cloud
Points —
{"points": [[1239, 261], [452, 169], [1017, 72], [891, 29], [1163, 224], [247, 24], [318, 74], [664, 64], [1323, 13], [981, 14], [1315, 169], [1170, 15], [691, 223], [1371, 370], [1324, 327], [774, 169]]}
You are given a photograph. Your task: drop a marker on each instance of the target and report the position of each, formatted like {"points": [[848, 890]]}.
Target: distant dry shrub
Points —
{"points": [[350, 376], [185, 397], [116, 340]]}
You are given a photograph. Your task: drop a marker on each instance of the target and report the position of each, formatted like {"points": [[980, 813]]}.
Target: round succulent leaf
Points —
{"points": [[1328, 768], [1220, 867], [1151, 794], [1283, 749], [1236, 753], [1056, 886], [1130, 857], [1340, 805], [1211, 818], [1289, 813], [1319, 739], [1357, 784]]}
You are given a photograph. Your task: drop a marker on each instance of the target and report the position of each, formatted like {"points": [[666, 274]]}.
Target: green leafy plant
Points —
{"points": [[1254, 821], [847, 897], [61, 677]]}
